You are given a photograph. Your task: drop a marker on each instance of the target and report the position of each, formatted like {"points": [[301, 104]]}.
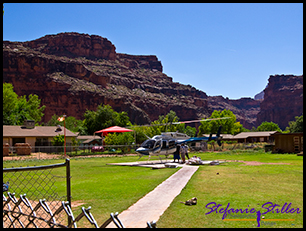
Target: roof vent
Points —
{"points": [[28, 124]]}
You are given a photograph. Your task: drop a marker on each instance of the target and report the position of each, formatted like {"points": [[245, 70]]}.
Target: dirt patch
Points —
{"points": [[76, 204], [60, 218], [253, 162], [43, 156], [38, 155]]}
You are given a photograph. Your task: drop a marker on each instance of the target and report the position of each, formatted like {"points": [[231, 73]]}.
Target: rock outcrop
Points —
{"points": [[260, 96], [75, 45], [283, 100], [72, 72]]}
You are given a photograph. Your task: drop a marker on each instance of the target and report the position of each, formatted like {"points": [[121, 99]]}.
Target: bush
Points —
{"points": [[125, 138], [58, 140]]}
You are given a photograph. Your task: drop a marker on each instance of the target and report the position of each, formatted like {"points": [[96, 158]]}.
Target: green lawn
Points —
{"points": [[106, 188], [243, 187], [109, 188]]}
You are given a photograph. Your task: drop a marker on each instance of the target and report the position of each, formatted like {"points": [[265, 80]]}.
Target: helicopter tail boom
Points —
{"points": [[197, 139]]}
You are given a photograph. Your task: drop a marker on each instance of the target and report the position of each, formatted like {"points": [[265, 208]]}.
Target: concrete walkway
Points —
{"points": [[153, 205]]}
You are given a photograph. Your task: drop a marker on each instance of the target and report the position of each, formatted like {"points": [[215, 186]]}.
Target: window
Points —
{"points": [[171, 144], [42, 141], [148, 144], [18, 140], [296, 143]]}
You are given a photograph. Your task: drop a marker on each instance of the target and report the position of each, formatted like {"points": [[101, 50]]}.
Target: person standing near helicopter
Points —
{"points": [[176, 154], [184, 152]]}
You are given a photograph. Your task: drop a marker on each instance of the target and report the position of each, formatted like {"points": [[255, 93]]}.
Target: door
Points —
{"points": [[157, 146]]}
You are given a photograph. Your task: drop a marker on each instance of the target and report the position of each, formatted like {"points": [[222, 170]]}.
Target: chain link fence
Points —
{"points": [[88, 150], [227, 146], [70, 150], [54, 210], [38, 182], [22, 213]]}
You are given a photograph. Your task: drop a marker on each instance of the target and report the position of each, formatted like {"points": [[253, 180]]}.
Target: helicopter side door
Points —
{"points": [[157, 146]]}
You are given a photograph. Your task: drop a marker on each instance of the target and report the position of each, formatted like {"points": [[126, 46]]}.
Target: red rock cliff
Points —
{"points": [[283, 100], [72, 72], [75, 45]]}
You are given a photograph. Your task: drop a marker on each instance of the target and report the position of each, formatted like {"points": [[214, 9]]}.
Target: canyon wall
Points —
{"points": [[283, 100], [72, 72]]}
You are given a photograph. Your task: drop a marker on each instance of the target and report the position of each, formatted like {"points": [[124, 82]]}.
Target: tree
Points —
{"points": [[268, 126], [237, 128], [190, 131], [17, 109], [103, 117], [168, 119], [9, 103], [143, 132], [71, 123], [125, 138], [58, 140], [228, 125], [296, 126]]}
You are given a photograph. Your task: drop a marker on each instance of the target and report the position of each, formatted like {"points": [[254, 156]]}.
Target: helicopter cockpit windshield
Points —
{"points": [[148, 144]]}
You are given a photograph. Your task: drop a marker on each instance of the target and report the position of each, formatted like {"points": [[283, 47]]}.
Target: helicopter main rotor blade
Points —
{"points": [[192, 121], [181, 122]]}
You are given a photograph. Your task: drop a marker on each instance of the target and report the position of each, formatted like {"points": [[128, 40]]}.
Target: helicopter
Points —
{"points": [[167, 143]]}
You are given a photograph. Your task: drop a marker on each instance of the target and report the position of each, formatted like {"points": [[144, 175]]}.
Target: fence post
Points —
{"points": [[68, 183]]}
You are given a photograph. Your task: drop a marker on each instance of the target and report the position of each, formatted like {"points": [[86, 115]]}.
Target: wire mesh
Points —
{"points": [[30, 211], [24, 213], [38, 182]]}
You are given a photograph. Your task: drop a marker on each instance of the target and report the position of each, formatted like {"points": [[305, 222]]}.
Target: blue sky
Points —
{"points": [[222, 49]]}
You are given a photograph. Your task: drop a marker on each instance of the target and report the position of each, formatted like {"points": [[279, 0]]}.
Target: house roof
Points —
{"points": [[227, 136], [89, 137], [37, 131], [89, 140], [244, 135], [288, 134]]}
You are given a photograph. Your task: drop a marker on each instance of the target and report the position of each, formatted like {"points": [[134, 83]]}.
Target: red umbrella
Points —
{"points": [[113, 129]]}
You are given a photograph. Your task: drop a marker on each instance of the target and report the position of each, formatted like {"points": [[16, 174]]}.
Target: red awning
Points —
{"points": [[113, 129]]}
